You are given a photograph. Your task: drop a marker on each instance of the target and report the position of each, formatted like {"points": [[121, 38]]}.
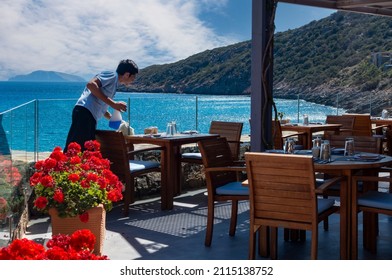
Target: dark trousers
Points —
{"points": [[83, 127]]}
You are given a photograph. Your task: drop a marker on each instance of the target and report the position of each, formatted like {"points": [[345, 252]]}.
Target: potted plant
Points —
{"points": [[280, 116], [76, 188]]}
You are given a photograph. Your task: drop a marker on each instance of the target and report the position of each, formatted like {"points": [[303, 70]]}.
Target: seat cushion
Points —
{"points": [[376, 200], [324, 204], [192, 155], [137, 165], [233, 188]]}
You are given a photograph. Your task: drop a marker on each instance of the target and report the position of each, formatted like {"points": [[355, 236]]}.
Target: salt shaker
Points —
{"points": [[316, 148], [306, 119]]}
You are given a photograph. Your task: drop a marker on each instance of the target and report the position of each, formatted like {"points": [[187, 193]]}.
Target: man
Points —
{"points": [[96, 98]]}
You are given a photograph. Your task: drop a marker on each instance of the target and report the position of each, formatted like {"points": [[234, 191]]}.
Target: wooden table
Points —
{"points": [[342, 167], [377, 125], [310, 129], [170, 161], [380, 122]]}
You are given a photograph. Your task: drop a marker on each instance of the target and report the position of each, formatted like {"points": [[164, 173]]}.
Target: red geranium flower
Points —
{"points": [[58, 196], [78, 246], [84, 217], [41, 202]]}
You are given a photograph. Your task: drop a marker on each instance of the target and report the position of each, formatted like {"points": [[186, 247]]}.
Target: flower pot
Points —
{"points": [[96, 224], [284, 121]]}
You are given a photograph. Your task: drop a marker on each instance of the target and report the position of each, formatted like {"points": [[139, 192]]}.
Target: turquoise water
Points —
{"points": [[191, 112]]}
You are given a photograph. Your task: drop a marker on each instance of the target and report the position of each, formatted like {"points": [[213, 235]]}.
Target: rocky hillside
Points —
{"points": [[223, 70], [326, 61]]}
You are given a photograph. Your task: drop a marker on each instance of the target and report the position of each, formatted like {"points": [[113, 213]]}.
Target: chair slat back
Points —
{"points": [[277, 135], [216, 153], [346, 121], [113, 147], [367, 144], [362, 124], [282, 189], [231, 131]]}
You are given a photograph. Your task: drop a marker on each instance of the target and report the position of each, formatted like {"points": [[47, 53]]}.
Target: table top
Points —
{"points": [[380, 121], [339, 161], [311, 127], [162, 138]]}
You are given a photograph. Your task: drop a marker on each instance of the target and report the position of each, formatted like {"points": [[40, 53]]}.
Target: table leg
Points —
{"points": [[177, 170], [370, 220], [345, 216], [166, 189]]}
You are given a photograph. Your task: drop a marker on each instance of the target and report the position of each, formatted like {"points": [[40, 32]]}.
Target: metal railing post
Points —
{"points": [[197, 114], [36, 151], [298, 106]]}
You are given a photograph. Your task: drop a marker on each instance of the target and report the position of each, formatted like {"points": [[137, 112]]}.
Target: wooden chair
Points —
{"points": [[123, 164], [230, 130], [366, 144], [283, 193], [362, 124], [347, 123], [371, 203], [279, 138], [222, 185]]}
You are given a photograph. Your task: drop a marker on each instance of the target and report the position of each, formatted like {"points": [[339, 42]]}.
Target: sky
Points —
{"points": [[86, 37]]}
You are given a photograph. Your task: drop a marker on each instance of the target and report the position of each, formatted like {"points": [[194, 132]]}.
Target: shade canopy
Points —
{"points": [[262, 56], [375, 7]]}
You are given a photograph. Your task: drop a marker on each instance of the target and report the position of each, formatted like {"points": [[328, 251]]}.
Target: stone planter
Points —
{"points": [[96, 224]]}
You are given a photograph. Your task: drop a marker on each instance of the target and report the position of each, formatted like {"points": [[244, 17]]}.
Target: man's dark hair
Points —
{"points": [[127, 65]]}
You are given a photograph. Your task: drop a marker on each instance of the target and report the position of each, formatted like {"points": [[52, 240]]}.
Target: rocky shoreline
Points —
{"points": [[351, 100]]}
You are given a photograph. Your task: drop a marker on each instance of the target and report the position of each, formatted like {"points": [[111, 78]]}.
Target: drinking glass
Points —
{"points": [[169, 129], [325, 151], [289, 146], [349, 147]]}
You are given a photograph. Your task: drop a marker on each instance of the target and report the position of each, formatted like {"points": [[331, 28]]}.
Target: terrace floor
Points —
{"points": [[151, 234]]}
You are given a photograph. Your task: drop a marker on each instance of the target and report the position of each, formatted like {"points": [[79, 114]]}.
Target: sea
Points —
{"points": [[53, 103]]}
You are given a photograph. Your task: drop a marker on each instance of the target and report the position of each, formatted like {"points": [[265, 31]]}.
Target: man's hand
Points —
{"points": [[120, 106]]}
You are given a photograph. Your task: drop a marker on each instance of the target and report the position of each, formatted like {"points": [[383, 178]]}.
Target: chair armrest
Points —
{"points": [[345, 130], [239, 162], [371, 179], [378, 129], [294, 134], [328, 183], [133, 152], [225, 168]]}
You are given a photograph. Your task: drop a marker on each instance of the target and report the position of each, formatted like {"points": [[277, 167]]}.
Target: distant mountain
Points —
{"points": [[325, 57], [47, 76]]}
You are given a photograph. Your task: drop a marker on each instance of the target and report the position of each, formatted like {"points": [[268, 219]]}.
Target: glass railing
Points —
{"points": [[17, 152]]}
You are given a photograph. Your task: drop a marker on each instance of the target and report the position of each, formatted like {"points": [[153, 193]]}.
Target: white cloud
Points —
{"points": [[88, 36]]}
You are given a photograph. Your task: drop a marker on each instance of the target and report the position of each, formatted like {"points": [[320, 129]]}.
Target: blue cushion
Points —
{"points": [[192, 155], [324, 204], [137, 165], [376, 199], [233, 188]]}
